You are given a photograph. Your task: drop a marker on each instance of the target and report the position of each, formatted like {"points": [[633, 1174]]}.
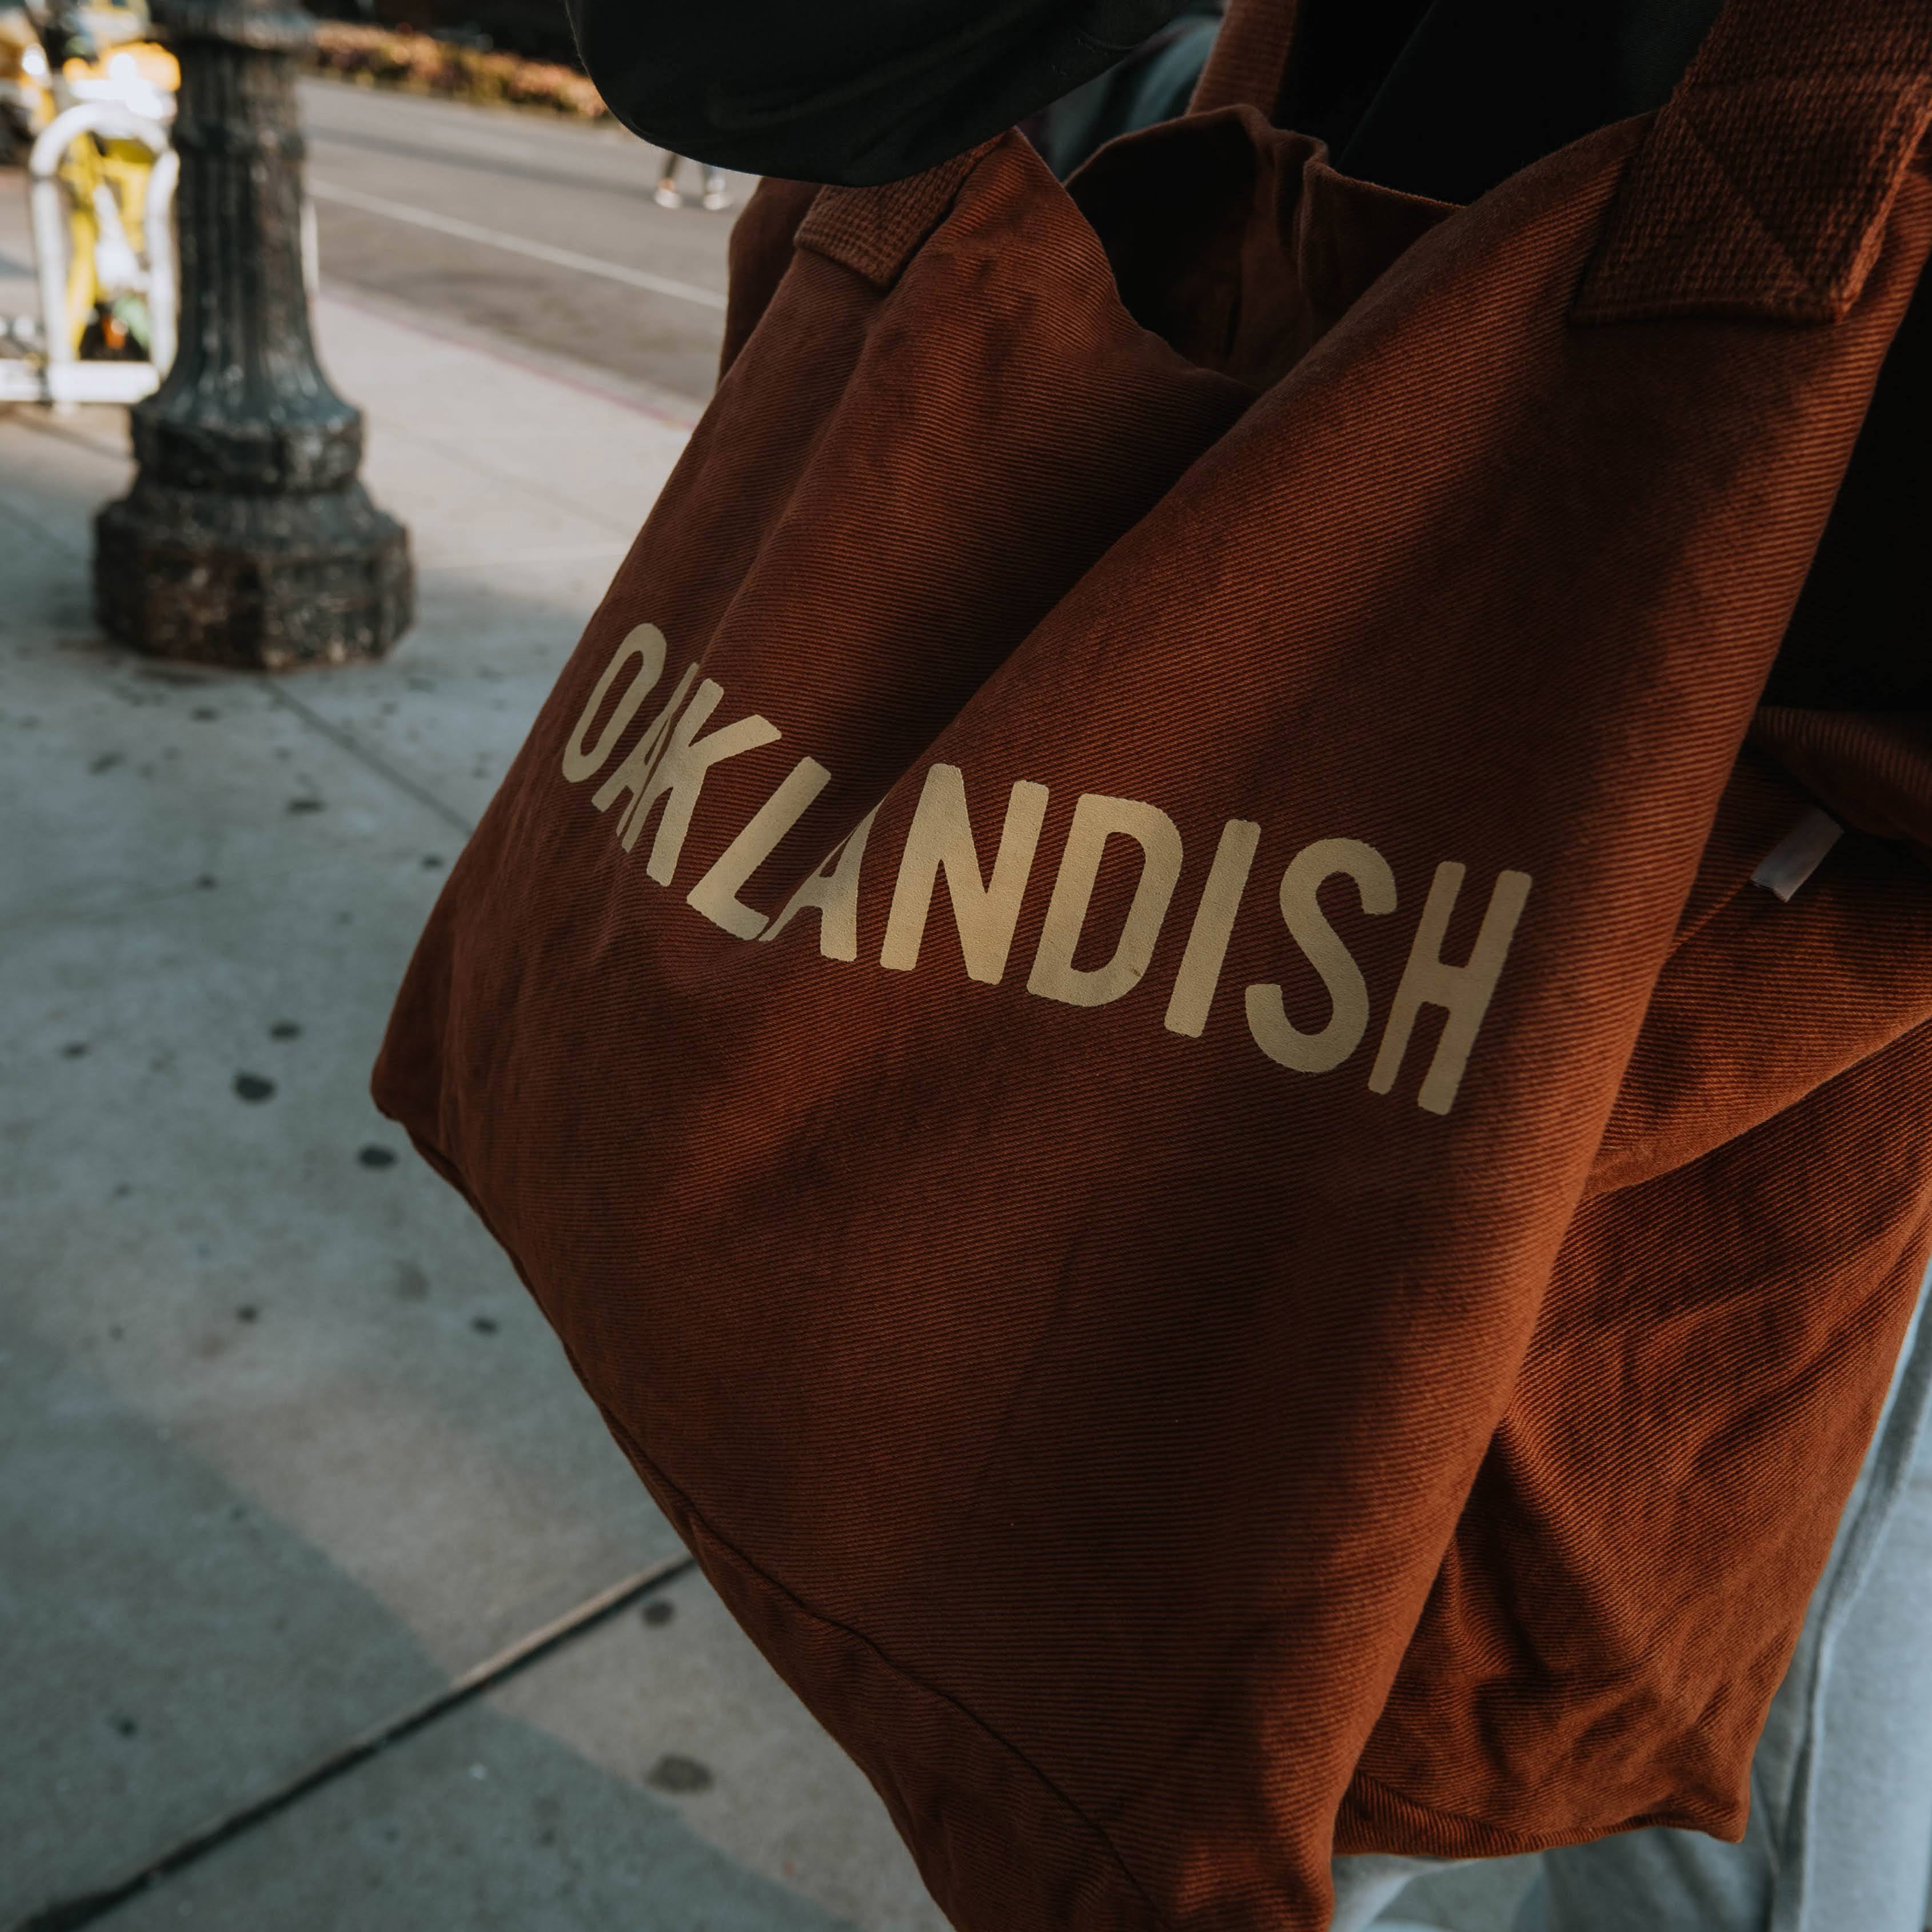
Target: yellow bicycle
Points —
{"points": [[89, 95]]}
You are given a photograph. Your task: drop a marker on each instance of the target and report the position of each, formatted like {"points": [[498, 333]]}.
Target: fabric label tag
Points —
{"points": [[1798, 854]]}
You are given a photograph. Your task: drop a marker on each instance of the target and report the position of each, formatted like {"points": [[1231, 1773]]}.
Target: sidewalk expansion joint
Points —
{"points": [[52, 539], [67, 1914], [348, 741]]}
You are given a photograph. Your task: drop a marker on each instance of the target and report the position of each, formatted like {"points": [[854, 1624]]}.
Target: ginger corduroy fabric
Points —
{"points": [[1118, 1008]]}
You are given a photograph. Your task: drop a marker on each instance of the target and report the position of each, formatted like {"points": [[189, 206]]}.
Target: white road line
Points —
{"points": [[611, 553], [515, 244]]}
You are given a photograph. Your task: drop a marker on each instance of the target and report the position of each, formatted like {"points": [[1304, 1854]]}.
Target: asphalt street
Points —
{"points": [[537, 232]]}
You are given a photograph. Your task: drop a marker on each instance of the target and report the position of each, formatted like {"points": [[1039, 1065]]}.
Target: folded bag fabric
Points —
{"points": [[1118, 1009]]}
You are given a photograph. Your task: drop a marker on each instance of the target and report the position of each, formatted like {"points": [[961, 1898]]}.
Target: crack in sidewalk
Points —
{"points": [[67, 1914], [347, 741]]}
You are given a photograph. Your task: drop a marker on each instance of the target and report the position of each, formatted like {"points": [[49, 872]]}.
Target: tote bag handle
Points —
{"points": [[1762, 187], [1249, 60]]}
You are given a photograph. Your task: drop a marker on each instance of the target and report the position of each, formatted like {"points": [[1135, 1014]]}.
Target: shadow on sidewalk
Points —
{"points": [[207, 1651]]}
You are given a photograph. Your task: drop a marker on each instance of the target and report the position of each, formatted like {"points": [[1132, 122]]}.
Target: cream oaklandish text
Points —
{"points": [[668, 764]]}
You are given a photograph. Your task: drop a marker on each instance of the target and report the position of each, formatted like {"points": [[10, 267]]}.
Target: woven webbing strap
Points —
{"points": [[876, 231], [1762, 187], [1249, 60]]}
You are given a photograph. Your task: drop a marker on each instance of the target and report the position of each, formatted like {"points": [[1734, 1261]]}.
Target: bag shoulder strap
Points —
{"points": [[1249, 60], [1762, 187], [875, 231]]}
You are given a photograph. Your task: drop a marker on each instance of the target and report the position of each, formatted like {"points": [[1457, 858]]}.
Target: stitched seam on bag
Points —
{"points": [[1845, 237], [630, 1448], [1909, 106], [1849, 225], [1693, 133], [1903, 137], [1470, 1820], [1679, 1818]]}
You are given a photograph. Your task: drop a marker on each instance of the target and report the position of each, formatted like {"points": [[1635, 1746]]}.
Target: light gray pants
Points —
{"points": [[1840, 1838]]}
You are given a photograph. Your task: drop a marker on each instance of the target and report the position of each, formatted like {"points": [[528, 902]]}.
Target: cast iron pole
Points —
{"points": [[247, 539]]}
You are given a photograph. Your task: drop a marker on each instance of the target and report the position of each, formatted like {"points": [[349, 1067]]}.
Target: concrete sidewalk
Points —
{"points": [[284, 1448]]}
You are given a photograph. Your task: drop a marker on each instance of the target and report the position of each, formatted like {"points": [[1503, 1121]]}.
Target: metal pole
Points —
{"points": [[246, 539]]}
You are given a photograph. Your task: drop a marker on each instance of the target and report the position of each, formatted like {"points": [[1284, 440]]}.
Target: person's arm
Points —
{"points": [[854, 91]]}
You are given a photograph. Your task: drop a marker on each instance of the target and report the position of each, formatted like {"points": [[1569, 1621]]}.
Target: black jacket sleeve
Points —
{"points": [[856, 92]]}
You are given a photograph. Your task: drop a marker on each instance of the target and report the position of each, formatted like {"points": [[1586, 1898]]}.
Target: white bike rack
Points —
{"points": [[57, 376]]}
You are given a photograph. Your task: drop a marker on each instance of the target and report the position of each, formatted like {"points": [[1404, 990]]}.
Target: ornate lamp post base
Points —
{"points": [[270, 582], [246, 539]]}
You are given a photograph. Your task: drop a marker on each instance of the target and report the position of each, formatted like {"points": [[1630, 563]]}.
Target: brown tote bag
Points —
{"points": [[1119, 1010]]}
